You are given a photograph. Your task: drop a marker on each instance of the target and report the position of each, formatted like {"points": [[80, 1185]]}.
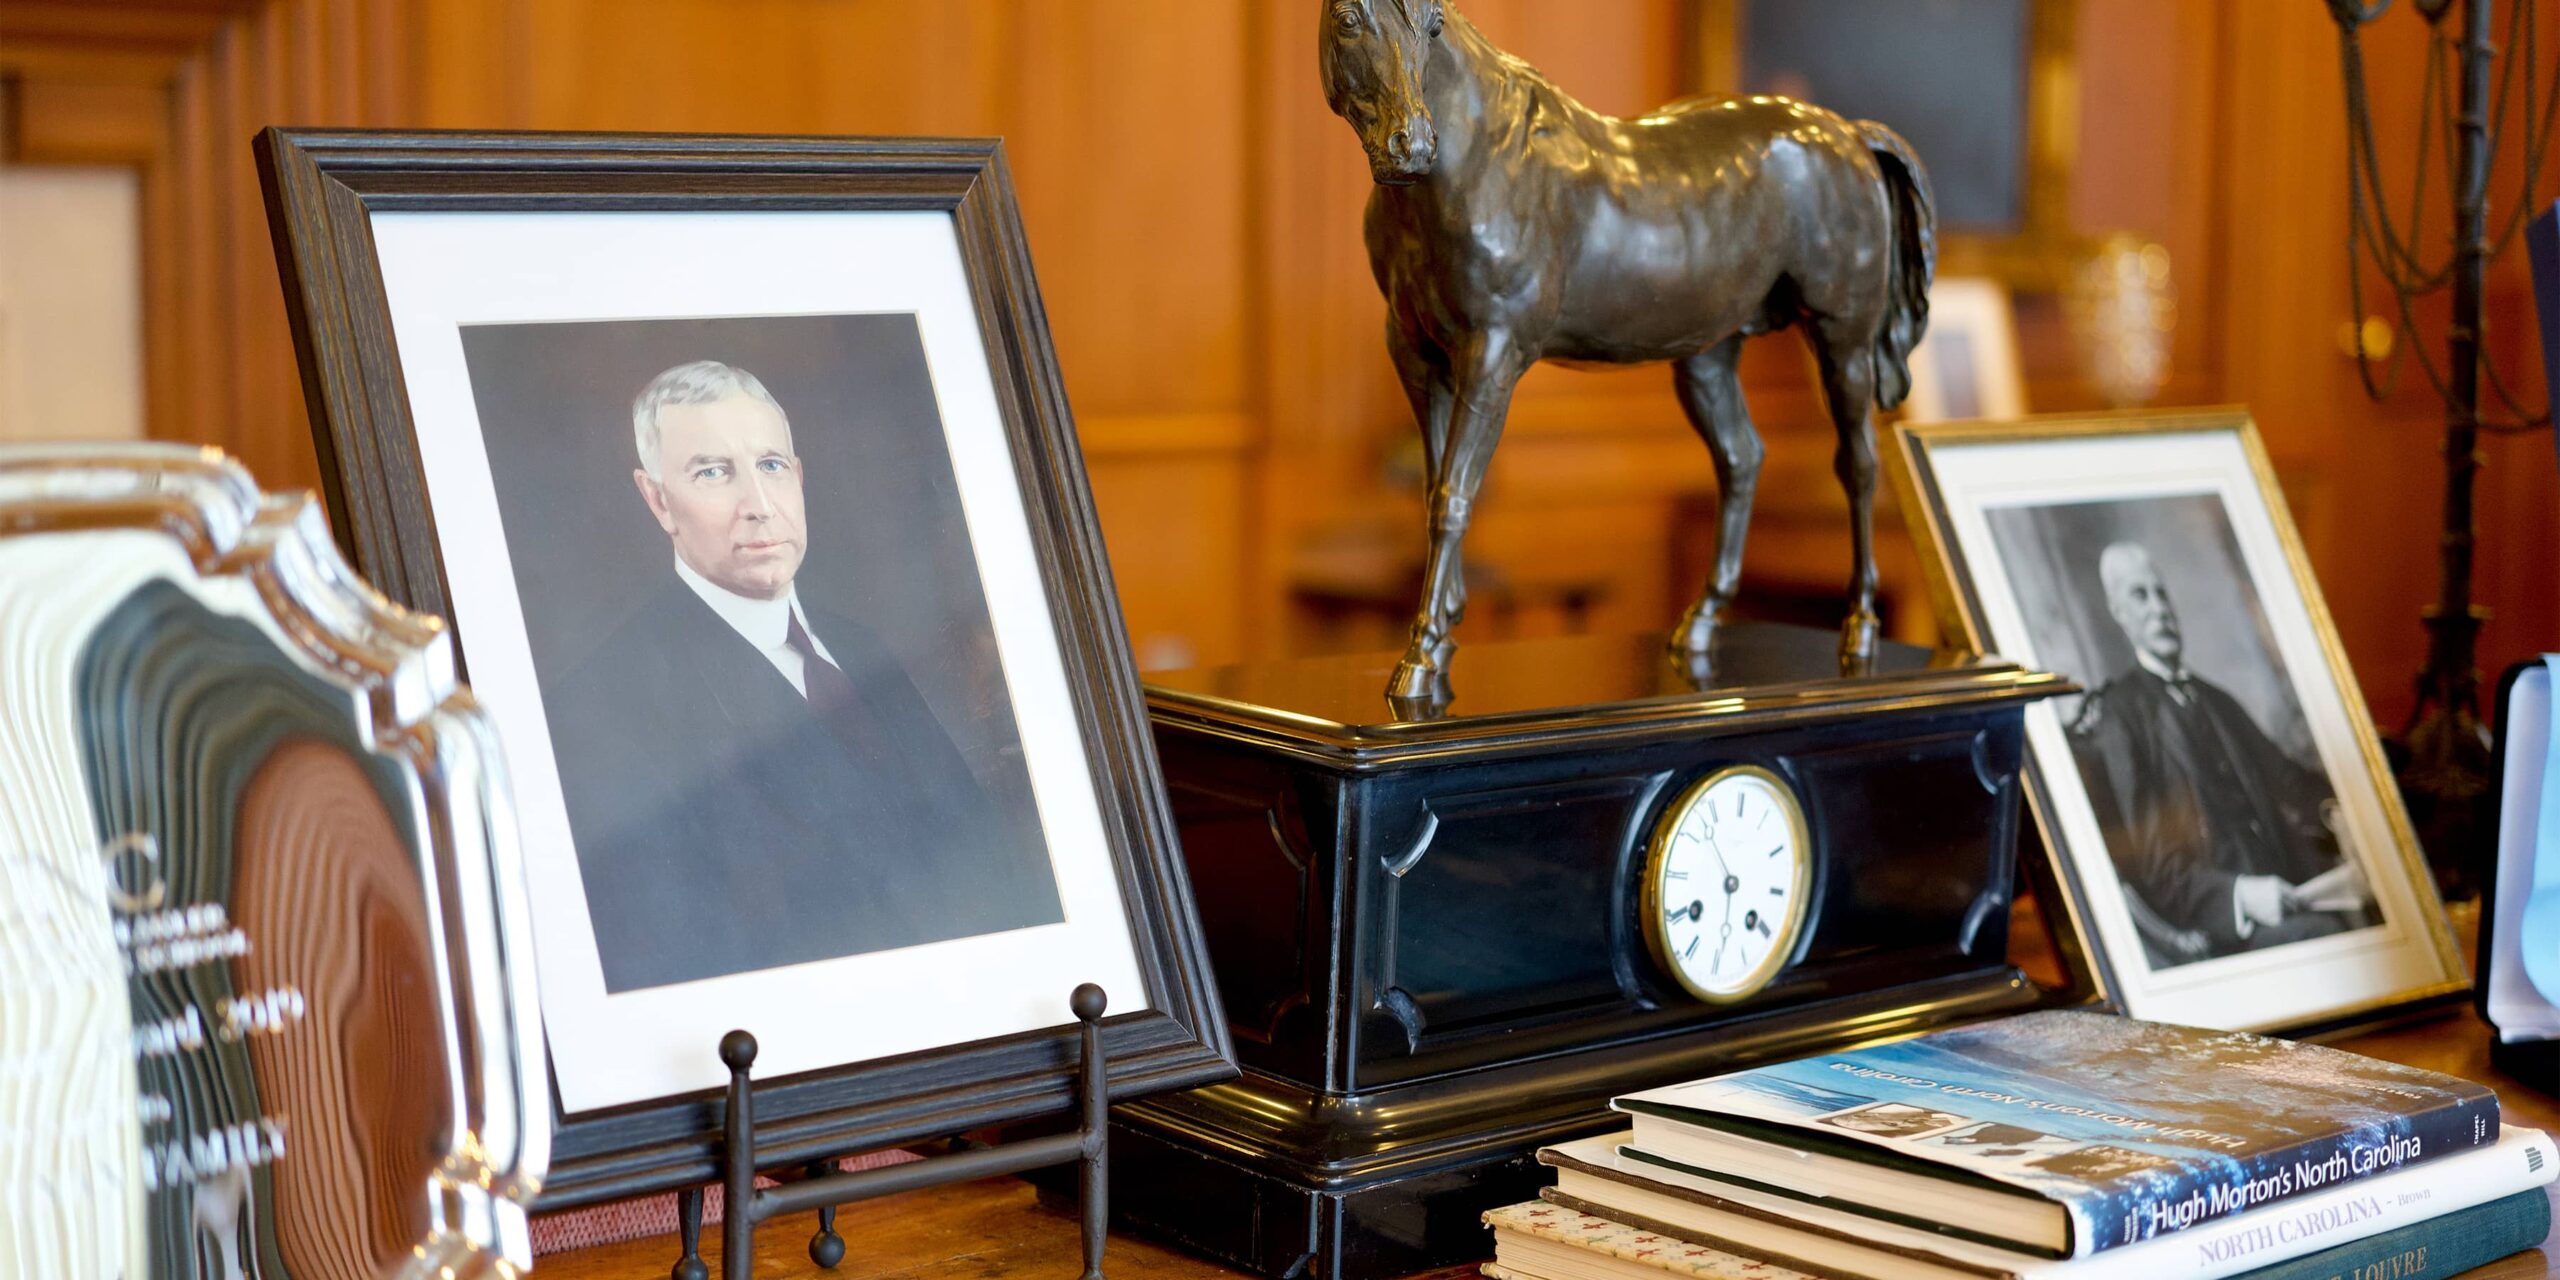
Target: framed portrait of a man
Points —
{"points": [[742, 471], [2214, 797], [717, 594]]}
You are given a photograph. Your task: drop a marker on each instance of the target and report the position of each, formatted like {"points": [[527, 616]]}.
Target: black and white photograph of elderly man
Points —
{"points": [[2190, 739]]}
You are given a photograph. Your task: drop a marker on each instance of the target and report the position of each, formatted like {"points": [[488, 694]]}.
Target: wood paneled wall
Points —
{"points": [[175, 88], [1127, 131], [1194, 211]]}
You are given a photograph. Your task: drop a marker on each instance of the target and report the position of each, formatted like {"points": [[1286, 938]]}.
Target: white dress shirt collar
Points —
{"points": [[2176, 678], [2156, 667], [766, 624]]}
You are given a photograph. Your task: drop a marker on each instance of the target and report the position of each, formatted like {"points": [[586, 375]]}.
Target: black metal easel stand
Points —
{"points": [[824, 1191]]}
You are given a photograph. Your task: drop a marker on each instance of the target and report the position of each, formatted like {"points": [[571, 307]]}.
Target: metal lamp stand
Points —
{"points": [[2442, 753]]}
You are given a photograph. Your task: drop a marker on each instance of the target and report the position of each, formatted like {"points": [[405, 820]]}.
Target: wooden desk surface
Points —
{"points": [[997, 1230]]}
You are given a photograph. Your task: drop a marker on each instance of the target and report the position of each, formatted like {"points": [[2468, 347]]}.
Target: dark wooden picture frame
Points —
{"points": [[322, 189]]}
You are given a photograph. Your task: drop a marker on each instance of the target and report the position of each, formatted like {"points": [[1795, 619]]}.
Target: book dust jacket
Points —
{"points": [[2138, 1129]]}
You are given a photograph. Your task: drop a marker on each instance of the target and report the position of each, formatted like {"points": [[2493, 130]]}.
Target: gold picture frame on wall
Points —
{"points": [[1966, 366], [2032, 249], [2224, 828]]}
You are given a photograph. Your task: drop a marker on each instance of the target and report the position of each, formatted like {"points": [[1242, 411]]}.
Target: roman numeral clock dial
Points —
{"points": [[1726, 883]]}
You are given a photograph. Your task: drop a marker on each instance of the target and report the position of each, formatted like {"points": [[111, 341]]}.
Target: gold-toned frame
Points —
{"points": [[2039, 254], [1960, 613], [1799, 902]]}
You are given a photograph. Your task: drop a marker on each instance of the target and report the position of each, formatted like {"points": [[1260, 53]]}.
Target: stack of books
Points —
{"points": [[2059, 1143]]}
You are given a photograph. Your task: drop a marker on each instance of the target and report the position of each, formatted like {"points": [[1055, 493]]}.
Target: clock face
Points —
{"points": [[1726, 883]]}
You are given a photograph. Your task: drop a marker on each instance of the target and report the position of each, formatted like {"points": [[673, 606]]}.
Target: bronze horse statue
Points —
{"points": [[1512, 224]]}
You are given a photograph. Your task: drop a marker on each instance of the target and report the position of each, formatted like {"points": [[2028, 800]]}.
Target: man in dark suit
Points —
{"points": [[752, 782], [2223, 841]]}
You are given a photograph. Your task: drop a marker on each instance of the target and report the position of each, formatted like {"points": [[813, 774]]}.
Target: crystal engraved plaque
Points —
{"points": [[266, 997]]}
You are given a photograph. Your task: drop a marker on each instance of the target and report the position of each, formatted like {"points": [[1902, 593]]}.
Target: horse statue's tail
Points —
{"points": [[1915, 260]]}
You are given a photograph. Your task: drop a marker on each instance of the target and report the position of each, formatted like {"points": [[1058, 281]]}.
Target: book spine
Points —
{"points": [[2269, 1178], [2442, 1246], [2333, 1216]]}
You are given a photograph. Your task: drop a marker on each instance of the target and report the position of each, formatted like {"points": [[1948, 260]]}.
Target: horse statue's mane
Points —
{"points": [[1542, 88]]}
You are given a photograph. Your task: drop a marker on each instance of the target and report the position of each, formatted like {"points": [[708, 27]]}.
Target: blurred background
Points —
{"points": [[2157, 188]]}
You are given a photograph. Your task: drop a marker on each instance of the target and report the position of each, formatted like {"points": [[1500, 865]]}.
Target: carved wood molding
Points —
{"points": [[173, 89], [173, 26]]}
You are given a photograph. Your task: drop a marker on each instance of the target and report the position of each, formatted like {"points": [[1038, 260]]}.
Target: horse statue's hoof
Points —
{"points": [[1430, 707], [1695, 637], [1415, 680], [1697, 666], [1858, 644]]}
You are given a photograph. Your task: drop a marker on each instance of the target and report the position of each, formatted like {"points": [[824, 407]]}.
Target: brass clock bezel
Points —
{"points": [[1658, 850]]}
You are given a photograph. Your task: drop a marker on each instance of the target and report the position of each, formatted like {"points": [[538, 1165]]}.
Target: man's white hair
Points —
{"points": [[699, 382], [2121, 559]]}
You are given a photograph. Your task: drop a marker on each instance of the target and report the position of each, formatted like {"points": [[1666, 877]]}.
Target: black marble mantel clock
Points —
{"points": [[1446, 942]]}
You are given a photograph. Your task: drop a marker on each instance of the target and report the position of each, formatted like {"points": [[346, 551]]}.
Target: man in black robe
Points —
{"points": [[2224, 843]]}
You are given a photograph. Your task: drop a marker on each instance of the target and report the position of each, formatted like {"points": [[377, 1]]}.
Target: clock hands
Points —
{"points": [[1747, 933], [1749, 930], [1732, 882]]}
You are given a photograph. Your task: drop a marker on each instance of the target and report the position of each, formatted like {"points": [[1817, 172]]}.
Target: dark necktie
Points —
{"points": [[830, 690]]}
